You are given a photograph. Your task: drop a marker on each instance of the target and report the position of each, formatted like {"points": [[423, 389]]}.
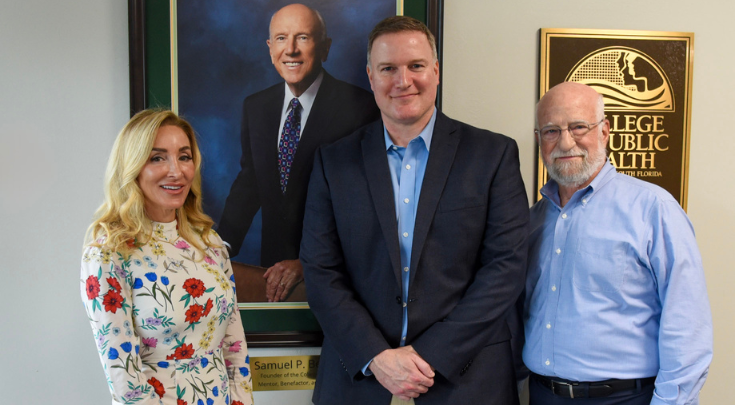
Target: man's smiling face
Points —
{"points": [[297, 46], [404, 77]]}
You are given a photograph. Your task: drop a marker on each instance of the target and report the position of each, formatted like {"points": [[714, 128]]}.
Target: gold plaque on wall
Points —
{"points": [[645, 78]]}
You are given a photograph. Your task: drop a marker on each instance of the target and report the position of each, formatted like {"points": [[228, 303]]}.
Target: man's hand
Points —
{"points": [[403, 372], [281, 279]]}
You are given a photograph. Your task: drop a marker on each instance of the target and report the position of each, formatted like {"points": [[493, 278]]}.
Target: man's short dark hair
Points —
{"points": [[400, 23]]}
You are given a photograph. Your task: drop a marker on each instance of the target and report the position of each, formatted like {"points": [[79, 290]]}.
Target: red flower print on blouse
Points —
{"points": [[113, 300], [194, 313], [158, 386], [181, 402], [112, 281], [195, 287], [208, 307], [237, 403], [93, 287], [182, 352]]}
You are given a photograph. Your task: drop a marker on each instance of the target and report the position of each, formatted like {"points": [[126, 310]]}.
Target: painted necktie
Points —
{"points": [[289, 141]]}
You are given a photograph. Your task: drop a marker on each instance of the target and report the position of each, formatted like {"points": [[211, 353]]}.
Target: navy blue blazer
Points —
{"points": [[468, 264], [339, 109]]}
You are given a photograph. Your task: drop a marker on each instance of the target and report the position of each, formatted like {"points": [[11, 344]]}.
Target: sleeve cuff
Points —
{"points": [[366, 370]]}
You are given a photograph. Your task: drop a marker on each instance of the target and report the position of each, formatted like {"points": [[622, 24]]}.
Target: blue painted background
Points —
{"points": [[223, 58]]}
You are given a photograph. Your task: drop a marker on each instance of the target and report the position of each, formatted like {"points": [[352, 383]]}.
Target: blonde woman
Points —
{"points": [[156, 281]]}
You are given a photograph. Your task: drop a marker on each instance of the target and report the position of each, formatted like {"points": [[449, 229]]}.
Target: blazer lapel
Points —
{"points": [[441, 157], [313, 134], [321, 112], [378, 177], [266, 133]]}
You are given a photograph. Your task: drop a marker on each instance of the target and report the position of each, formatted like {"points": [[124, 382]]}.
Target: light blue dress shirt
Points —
{"points": [[616, 289], [407, 167]]}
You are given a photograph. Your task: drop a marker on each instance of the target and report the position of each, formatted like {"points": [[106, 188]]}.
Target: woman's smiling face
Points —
{"points": [[166, 178]]}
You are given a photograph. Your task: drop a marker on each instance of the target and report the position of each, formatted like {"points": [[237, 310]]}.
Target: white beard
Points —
{"points": [[574, 174]]}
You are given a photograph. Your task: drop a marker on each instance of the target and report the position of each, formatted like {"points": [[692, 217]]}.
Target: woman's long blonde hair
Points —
{"points": [[122, 219]]}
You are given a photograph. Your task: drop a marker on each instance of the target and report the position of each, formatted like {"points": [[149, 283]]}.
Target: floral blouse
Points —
{"points": [[166, 322]]}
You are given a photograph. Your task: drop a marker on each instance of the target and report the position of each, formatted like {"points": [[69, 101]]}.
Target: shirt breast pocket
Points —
{"points": [[598, 265]]}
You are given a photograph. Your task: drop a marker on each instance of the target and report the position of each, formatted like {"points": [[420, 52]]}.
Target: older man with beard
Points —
{"points": [[616, 308]]}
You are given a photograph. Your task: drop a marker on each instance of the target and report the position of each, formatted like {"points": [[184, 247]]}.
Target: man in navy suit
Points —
{"points": [[414, 244], [328, 109]]}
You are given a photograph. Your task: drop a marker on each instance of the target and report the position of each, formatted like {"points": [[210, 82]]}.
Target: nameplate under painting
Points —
{"points": [[281, 373]]}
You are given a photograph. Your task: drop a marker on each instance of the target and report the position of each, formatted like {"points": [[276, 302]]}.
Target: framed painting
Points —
{"points": [[202, 59]]}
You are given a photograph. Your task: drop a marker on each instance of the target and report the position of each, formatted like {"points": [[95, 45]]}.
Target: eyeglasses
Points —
{"points": [[577, 130]]}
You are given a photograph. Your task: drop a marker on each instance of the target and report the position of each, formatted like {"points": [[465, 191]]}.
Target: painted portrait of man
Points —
{"points": [[240, 66]]}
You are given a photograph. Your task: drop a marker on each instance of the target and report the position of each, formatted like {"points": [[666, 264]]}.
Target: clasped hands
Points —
{"points": [[403, 372]]}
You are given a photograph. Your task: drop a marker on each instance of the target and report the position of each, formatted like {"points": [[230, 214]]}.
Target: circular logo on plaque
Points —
{"points": [[627, 78]]}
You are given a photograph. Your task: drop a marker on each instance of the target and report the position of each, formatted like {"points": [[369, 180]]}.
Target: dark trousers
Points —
{"points": [[540, 395]]}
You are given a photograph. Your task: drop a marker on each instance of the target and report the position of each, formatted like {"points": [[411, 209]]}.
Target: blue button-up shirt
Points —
{"points": [[615, 289], [407, 168]]}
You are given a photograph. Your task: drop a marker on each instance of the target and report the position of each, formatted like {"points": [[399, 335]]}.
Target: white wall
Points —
{"points": [[491, 80], [64, 96]]}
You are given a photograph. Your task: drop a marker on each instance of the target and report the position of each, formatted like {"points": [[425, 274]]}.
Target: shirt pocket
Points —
{"points": [[598, 265]]}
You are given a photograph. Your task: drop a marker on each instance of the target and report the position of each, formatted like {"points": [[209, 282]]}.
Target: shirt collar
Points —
{"points": [[426, 134], [551, 189], [306, 99], [605, 175]]}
